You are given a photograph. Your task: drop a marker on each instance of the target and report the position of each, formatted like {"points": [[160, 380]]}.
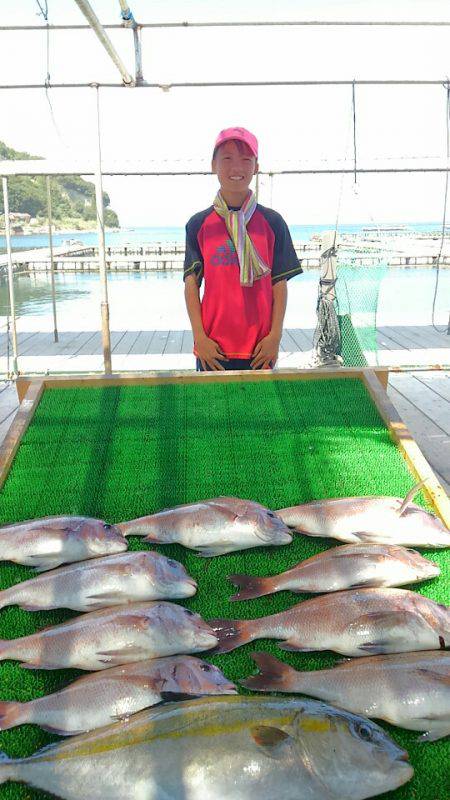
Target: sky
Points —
{"points": [[297, 127]]}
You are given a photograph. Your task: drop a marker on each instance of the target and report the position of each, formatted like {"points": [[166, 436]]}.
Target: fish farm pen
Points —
{"points": [[120, 448]]}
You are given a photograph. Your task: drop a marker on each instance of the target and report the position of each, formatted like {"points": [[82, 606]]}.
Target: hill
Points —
{"points": [[73, 198]]}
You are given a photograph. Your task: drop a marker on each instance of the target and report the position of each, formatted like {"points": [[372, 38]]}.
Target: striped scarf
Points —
{"points": [[252, 267]]}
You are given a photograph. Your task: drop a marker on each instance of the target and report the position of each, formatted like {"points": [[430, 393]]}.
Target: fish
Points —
{"points": [[224, 748], [113, 636], [102, 582], [411, 690], [355, 623], [100, 698], [212, 527], [49, 542], [347, 567], [376, 520]]}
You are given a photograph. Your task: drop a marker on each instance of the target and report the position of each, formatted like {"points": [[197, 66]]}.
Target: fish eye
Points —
{"points": [[188, 612], [106, 526], [205, 667], [364, 732], [171, 562], [270, 514]]}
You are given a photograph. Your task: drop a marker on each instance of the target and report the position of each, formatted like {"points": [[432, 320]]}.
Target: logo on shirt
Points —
{"points": [[225, 255]]}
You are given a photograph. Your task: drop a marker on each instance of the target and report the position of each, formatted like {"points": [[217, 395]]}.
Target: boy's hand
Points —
{"points": [[209, 353], [266, 352]]}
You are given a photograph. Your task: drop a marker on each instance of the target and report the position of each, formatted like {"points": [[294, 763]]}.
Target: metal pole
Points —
{"points": [[130, 22], [97, 27], [52, 263], [106, 335], [12, 305]]}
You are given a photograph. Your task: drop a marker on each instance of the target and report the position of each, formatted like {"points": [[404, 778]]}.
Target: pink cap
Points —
{"points": [[242, 134]]}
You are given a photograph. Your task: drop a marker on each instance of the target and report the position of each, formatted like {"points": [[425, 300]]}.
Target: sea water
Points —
{"points": [[155, 300]]}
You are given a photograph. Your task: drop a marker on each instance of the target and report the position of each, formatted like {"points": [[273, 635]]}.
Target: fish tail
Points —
{"points": [[232, 633], [7, 649], [11, 714], [7, 768], [250, 586], [273, 675]]}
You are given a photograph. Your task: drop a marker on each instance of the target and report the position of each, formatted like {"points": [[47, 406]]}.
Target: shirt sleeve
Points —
{"points": [[193, 260], [285, 261]]}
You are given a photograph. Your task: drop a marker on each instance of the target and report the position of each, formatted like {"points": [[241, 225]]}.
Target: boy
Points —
{"points": [[245, 254]]}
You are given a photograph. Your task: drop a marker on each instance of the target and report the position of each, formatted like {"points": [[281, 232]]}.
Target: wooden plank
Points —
{"points": [[303, 337], [438, 381], [137, 344], [400, 341], [158, 342], [34, 345], [429, 402], [189, 376], [21, 339], [21, 422], [288, 342], [188, 342], [431, 337], [9, 405], [174, 342], [125, 344], [413, 456], [432, 440], [116, 338], [92, 345]]}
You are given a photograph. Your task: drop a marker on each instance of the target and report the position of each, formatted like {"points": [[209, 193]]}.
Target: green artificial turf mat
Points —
{"points": [[120, 453]]}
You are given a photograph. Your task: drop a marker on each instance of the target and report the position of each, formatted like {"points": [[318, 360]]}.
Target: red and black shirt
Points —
{"points": [[237, 317]]}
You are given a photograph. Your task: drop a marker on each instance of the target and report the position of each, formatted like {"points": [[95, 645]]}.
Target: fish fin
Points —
{"points": [[149, 537], [434, 676], [206, 552], [61, 731], [114, 656], [48, 565], [378, 647], [297, 529], [274, 675], [295, 648], [231, 633], [10, 714], [410, 497], [403, 624], [250, 586], [365, 537], [101, 598], [270, 739], [433, 736], [369, 582]]}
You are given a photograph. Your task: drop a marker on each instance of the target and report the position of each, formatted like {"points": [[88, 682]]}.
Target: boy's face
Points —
{"points": [[234, 165]]}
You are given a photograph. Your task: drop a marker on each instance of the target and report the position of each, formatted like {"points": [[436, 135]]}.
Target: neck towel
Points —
{"points": [[252, 266]]}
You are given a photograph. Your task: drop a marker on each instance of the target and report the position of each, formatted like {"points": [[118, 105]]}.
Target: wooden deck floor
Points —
{"points": [[422, 399], [81, 351]]}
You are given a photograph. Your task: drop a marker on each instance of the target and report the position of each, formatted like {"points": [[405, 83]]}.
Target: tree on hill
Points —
{"points": [[72, 196]]}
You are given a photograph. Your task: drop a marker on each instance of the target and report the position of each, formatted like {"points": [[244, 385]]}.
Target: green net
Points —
{"points": [[120, 453], [357, 292]]}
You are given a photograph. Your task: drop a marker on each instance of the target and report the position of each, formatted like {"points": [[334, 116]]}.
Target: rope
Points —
{"points": [[43, 11], [445, 330]]}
